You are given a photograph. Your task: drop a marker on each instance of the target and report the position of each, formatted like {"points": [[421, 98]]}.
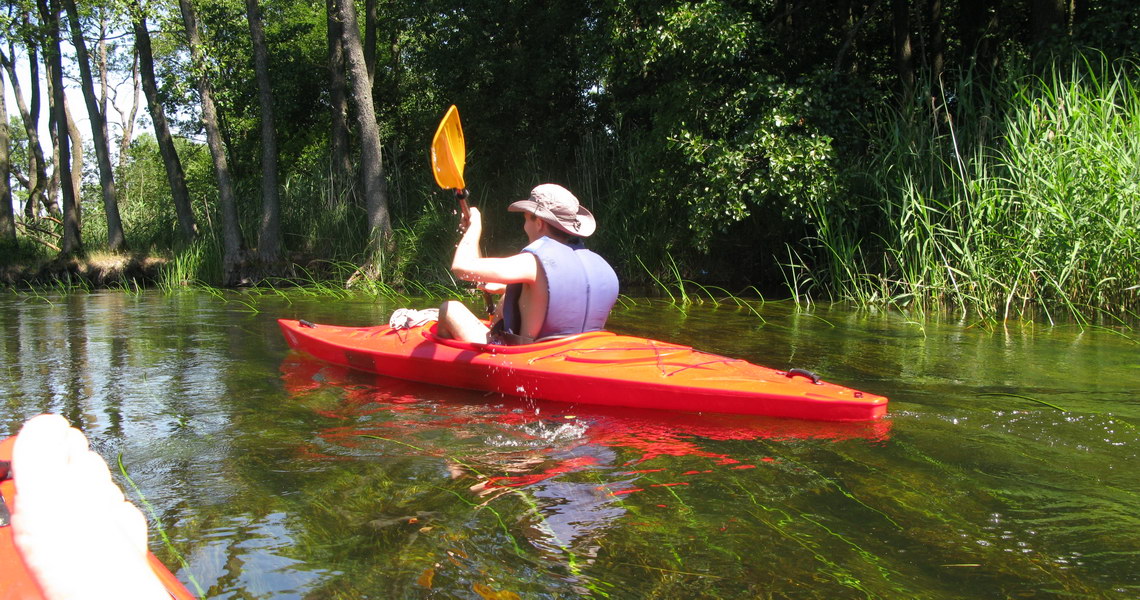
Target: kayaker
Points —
{"points": [[554, 287], [76, 533]]}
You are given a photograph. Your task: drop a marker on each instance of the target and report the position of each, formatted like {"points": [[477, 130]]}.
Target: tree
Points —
{"points": [[371, 160], [904, 48], [128, 118], [269, 240], [371, 17], [75, 139], [7, 218], [175, 175], [72, 238], [339, 161], [96, 112], [1048, 19], [231, 233], [977, 26], [30, 114]]}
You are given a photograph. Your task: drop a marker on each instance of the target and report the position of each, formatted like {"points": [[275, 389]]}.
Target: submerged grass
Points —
{"points": [[157, 523], [1020, 203]]}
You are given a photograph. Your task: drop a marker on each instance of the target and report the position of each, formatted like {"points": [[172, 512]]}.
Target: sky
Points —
{"points": [[76, 104], [74, 99]]}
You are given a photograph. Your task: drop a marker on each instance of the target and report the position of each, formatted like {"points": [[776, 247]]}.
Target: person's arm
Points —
{"points": [[470, 266]]}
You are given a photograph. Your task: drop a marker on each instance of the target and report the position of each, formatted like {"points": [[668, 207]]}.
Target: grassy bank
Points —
{"points": [[1008, 200]]}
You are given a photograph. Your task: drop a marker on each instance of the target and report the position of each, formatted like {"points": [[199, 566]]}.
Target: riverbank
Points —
{"points": [[97, 270]]}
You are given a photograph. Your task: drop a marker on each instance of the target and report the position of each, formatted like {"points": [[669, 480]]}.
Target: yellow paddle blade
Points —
{"points": [[448, 152]]}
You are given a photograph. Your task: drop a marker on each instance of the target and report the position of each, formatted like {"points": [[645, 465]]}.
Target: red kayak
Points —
{"points": [[601, 368], [16, 582]]}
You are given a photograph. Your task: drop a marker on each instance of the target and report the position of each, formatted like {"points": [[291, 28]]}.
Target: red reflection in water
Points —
{"points": [[537, 446], [650, 434], [566, 466]]}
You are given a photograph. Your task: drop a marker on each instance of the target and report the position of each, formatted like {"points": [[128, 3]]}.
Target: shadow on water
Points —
{"points": [[1006, 466]]}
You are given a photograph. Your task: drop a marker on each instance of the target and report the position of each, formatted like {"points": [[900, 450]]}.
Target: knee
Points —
{"points": [[444, 325], [449, 307]]}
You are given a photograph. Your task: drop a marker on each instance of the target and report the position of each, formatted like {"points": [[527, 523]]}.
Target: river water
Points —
{"points": [[1007, 465]]}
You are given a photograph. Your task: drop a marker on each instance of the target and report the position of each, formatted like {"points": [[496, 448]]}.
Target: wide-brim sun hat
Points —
{"points": [[556, 205]]}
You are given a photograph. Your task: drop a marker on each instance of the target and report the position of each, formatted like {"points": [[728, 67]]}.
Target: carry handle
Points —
{"points": [[804, 373]]}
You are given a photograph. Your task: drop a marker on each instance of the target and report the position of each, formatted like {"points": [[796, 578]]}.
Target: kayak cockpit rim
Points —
{"points": [[429, 333]]}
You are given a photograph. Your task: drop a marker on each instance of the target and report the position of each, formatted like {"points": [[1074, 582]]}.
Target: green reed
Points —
{"points": [[198, 264], [156, 522], [1019, 201]]}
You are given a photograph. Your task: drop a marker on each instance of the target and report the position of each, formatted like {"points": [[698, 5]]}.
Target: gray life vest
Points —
{"points": [[582, 287]]}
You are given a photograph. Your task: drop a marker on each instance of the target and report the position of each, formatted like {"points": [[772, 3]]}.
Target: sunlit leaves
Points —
{"points": [[738, 141]]}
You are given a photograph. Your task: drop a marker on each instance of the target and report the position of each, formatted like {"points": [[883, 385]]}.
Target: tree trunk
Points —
{"points": [[37, 169], [175, 175], [75, 169], [394, 70], [340, 162], [231, 231], [101, 52], [371, 18], [75, 138], [46, 196], [937, 42], [853, 31], [371, 159], [128, 119], [1079, 12], [105, 94], [269, 238], [7, 217], [72, 239], [904, 49], [116, 241]]}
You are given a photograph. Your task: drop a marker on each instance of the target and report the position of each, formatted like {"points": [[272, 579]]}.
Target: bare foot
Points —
{"points": [[78, 535]]}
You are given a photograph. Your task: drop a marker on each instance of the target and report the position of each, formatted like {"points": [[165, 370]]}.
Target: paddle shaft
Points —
{"points": [[447, 160]]}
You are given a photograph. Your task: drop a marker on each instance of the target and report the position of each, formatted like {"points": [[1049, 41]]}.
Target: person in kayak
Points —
{"points": [[554, 287]]}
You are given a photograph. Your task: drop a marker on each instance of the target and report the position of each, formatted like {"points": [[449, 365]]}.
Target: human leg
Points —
{"points": [[77, 534], [458, 322]]}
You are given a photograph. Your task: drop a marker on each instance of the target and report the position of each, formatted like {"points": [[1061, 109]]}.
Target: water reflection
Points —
{"points": [[575, 466]]}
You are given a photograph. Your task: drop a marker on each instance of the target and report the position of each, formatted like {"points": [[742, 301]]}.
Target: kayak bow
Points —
{"points": [[601, 368]]}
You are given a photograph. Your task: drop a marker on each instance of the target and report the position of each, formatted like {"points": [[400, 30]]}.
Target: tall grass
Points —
{"points": [[1020, 201], [198, 264]]}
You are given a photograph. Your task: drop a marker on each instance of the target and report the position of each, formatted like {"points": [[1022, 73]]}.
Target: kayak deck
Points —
{"points": [[600, 368]]}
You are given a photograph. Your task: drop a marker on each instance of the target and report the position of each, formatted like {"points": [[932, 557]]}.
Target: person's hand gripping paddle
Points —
{"points": [[448, 155]]}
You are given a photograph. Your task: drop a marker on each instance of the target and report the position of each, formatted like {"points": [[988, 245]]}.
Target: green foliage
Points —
{"points": [[144, 193], [1010, 203], [730, 152], [24, 251], [709, 137], [198, 264]]}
